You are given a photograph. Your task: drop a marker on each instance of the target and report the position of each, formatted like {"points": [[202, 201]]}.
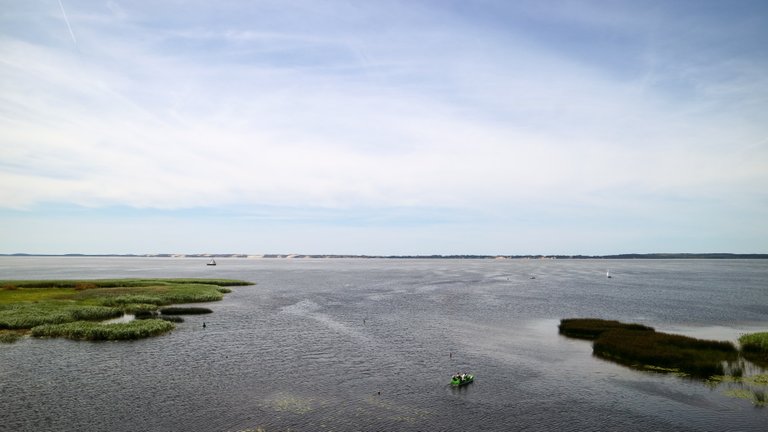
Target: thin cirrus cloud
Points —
{"points": [[386, 106]]}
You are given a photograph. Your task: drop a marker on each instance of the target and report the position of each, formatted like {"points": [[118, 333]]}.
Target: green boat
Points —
{"points": [[458, 382]]}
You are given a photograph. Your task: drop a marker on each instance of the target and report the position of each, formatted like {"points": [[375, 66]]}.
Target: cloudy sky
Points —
{"points": [[383, 126]]}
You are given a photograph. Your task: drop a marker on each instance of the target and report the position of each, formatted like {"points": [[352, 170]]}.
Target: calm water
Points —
{"points": [[370, 345]]}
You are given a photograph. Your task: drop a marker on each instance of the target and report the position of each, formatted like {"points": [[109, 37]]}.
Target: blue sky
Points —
{"points": [[383, 127]]}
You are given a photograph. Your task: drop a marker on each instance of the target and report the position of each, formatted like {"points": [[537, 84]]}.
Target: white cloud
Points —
{"points": [[447, 114]]}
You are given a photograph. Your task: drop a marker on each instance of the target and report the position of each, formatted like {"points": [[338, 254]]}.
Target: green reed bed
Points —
{"points": [[695, 357], [755, 346], [26, 305], [29, 315], [93, 331], [639, 346], [10, 336], [176, 310], [592, 328], [116, 283]]}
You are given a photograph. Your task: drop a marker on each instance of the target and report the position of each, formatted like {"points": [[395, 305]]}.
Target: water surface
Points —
{"points": [[356, 344]]}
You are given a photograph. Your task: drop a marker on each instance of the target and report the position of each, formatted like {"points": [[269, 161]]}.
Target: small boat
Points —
{"points": [[212, 262], [457, 381], [608, 274]]}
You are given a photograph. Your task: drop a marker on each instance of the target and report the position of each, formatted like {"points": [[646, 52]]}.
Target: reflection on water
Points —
{"points": [[371, 345]]}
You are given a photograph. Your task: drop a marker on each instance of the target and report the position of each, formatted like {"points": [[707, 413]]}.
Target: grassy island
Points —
{"points": [[75, 308], [642, 347], [717, 363]]}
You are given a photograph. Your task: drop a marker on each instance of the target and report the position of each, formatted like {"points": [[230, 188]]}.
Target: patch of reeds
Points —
{"points": [[8, 336], [695, 357], [640, 346], [114, 283], [754, 346], [140, 308], [28, 315], [92, 331], [122, 301], [592, 328], [178, 310], [29, 304]]}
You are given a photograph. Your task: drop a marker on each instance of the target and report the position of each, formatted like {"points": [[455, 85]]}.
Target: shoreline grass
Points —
{"points": [[28, 304]]}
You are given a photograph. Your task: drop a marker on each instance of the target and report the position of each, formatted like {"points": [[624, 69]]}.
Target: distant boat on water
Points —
{"points": [[608, 274], [213, 262]]}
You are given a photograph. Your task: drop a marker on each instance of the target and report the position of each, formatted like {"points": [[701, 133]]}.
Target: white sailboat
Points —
{"points": [[212, 262], [608, 273]]}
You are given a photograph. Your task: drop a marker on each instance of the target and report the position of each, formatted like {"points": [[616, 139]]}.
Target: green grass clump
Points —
{"points": [[28, 315], [185, 310], [640, 346], [755, 342], [122, 300], [7, 336], [115, 283], [698, 358], [92, 331], [592, 328], [754, 346], [26, 305]]}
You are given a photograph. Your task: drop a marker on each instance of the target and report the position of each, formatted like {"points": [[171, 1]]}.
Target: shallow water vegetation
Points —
{"points": [[752, 388], [176, 310], [754, 346], [94, 331], [10, 336], [26, 305], [696, 357], [642, 347], [592, 328], [29, 315]]}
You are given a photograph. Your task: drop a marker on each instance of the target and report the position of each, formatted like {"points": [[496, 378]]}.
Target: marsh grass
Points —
{"points": [[185, 310], [119, 283], [695, 357], [592, 328], [29, 315], [9, 336], [92, 331], [754, 346], [27, 305], [642, 347]]}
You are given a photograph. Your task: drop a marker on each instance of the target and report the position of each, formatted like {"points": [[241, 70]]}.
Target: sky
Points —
{"points": [[383, 127]]}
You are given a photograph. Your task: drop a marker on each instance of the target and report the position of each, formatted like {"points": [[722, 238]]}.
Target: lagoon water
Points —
{"points": [[370, 345]]}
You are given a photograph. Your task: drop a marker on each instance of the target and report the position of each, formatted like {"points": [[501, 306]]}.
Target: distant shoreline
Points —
{"points": [[497, 257]]}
